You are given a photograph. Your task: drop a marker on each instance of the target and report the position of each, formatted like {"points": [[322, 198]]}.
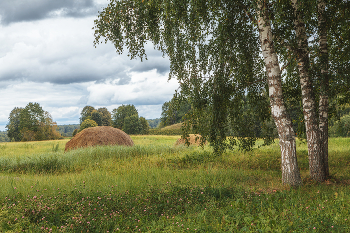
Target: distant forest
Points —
{"points": [[64, 130], [154, 123], [67, 130], [4, 137]]}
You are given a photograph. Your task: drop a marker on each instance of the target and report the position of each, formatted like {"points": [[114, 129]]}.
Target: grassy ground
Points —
{"points": [[156, 187]]}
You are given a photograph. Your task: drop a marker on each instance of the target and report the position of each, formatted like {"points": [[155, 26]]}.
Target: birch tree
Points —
{"points": [[290, 170], [308, 45], [215, 49]]}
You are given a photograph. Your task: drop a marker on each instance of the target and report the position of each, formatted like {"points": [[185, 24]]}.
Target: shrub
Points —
{"points": [[341, 128], [87, 124]]}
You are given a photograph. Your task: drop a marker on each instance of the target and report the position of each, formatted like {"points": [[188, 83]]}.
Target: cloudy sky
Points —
{"points": [[47, 56]]}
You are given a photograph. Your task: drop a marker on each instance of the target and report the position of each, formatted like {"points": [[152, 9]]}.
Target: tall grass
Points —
{"points": [[156, 187]]}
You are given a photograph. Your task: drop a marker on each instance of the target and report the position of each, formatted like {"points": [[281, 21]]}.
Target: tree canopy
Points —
{"points": [[31, 123], [173, 111], [101, 116], [225, 54], [126, 118]]}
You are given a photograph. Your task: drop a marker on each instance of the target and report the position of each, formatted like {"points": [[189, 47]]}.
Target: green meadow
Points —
{"points": [[156, 187]]}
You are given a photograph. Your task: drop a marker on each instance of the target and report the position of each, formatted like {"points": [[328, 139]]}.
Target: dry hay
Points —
{"points": [[193, 139], [100, 135]]}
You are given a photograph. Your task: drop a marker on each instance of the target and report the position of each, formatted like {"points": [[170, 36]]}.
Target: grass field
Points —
{"points": [[156, 187]]}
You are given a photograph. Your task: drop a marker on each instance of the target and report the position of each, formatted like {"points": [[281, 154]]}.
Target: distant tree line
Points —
{"points": [[31, 123], [173, 111], [154, 123], [125, 117], [4, 137], [67, 130]]}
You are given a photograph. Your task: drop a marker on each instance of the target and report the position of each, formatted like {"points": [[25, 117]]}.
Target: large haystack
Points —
{"points": [[194, 139], [100, 135]]}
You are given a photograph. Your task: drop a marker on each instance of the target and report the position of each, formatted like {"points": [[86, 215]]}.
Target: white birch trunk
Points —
{"points": [[323, 104], [316, 165], [289, 165]]}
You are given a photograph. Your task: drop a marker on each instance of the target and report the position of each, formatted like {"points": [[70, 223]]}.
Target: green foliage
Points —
{"points": [[155, 187], [87, 124], [4, 137], [86, 113], [144, 126], [106, 116], [168, 130], [215, 53], [158, 131], [97, 117], [67, 130], [215, 58], [341, 128], [101, 116], [173, 111], [120, 113], [31, 123], [126, 118], [75, 132], [13, 128], [132, 124], [153, 123]]}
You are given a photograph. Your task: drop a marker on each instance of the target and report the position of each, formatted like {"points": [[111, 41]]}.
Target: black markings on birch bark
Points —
{"points": [[316, 162], [289, 165], [323, 104]]}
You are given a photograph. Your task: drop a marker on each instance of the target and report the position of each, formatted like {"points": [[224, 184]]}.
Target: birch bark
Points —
{"points": [[316, 162], [323, 104], [289, 165]]}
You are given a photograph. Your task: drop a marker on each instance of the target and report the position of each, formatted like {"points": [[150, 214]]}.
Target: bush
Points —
{"points": [[341, 128], [132, 125], [87, 124], [165, 132], [75, 132]]}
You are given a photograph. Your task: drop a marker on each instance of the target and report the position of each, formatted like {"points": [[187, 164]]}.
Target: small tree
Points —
{"points": [[132, 125], [144, 126], [120, 113], [75, 132], [97, 117], [86, 113], [13, 130], [106, 116], [87, 124]]}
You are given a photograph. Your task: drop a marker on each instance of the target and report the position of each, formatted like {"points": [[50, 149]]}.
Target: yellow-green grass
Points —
{"points": [[174, 126], [223, 193], [154, 159]]}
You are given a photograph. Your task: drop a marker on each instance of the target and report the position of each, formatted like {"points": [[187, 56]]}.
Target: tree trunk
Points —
{"points": [[316, 162], [289, 165], [323, 105]]}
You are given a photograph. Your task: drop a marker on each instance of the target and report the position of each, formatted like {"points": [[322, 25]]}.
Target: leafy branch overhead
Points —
{"points": [[228, 54]]}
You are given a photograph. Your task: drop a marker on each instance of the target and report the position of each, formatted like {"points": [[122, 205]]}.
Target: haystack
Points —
{"points": [[100, 135], [193, 139]]}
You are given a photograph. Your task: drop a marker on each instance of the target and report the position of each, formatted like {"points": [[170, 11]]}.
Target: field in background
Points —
{"points": [[157, 187]]}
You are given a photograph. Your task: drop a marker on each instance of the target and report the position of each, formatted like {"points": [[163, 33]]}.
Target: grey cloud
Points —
{"points": [[25, 10], [162, 65], [159, 100]]}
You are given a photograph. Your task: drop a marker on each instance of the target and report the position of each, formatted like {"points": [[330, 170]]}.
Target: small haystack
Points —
{"points": [[194, 139], [100, 135]]}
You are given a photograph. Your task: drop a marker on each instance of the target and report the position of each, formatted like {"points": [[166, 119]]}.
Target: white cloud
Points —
{"points": [[50, 59]]}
